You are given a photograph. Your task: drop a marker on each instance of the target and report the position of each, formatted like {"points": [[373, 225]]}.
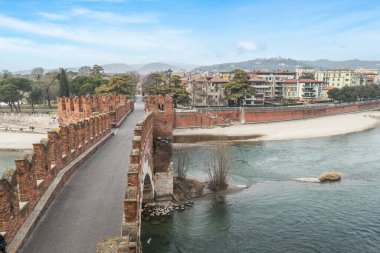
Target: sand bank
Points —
{"points": [[12, 140], [296, 129]]}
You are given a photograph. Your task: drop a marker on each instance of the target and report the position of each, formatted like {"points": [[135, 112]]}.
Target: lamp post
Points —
{"points": [[242, 121]]}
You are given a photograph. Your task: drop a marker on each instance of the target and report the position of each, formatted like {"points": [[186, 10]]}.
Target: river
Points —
{"points": [[7, 159], [277, 214]]}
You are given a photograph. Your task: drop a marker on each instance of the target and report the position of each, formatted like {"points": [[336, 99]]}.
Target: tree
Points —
{"points": [[35, 96], [218, 167], [97, 71], [63, 83], [307, 75], [37, 73], [182, 161], [9, 94], [85, 85], [21, 85], [152, 80], [157, 84], [48, 82], [124, 84], [239, 88], [85, 71], [6, 74]]}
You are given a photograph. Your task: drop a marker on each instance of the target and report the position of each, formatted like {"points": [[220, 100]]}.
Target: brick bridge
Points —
{"points": [[48, 204]]}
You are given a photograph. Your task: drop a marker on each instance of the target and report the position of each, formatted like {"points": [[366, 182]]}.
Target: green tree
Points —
{"points": [[239, 88], [97, 71], [10, 95], [63, 83], [124, 84], [35, 96], [22, 86], [151, 81], [6, 74], [171, 87], [85, 85]]}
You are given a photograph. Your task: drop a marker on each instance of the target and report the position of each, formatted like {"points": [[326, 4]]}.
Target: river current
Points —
{"points": [[277, 214]]}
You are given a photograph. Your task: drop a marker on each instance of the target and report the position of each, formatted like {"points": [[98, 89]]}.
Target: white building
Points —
{"points": [[339, 78], [302, 89]]}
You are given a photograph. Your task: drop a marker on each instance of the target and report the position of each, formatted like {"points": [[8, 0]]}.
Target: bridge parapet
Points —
{"points": [[64, 150], [22, 188], [71, 109]]}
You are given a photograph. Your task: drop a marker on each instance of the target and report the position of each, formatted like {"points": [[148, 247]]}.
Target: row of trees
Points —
{"points": [[163, 83], [355, 93], [41, 86]]}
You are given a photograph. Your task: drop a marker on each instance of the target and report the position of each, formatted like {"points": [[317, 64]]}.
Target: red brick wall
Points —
{"points": [[24, 184], [78, 108], [195, 119], [142, 150]]}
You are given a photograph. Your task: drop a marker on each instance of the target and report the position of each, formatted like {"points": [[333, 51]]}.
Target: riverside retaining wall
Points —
{"points": [[258, 115]]}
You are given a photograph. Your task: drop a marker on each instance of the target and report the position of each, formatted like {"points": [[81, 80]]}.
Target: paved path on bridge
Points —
{"points": [[90, 206]]}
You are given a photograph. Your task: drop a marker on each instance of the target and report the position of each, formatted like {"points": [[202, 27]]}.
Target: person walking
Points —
{"points": [[3, 244]]}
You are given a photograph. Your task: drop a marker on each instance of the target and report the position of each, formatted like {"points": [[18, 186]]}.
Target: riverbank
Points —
{"points": [[285, 130], [19, 141]]}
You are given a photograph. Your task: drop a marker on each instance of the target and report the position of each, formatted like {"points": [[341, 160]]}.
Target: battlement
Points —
{"points": [[71, 109], [81, 132]]}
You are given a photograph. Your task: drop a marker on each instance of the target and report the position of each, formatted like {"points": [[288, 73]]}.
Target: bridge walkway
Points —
{"points": [[90, 206]]}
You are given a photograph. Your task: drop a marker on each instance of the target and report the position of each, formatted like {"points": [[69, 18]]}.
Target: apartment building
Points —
{"points": [[276, 80], [371, 75], [264, 91], [302, 89], [207, 91], [339, 78]]}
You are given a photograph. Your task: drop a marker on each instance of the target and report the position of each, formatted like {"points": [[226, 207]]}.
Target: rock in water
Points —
{"points": [[330, 177]]}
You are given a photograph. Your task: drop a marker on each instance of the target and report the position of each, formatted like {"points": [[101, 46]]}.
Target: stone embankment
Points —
{"points": [[27, 190], [210, 117]]}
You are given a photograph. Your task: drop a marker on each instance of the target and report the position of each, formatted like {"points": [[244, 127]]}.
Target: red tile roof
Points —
{"points": [[328, 88], [255, 78]]}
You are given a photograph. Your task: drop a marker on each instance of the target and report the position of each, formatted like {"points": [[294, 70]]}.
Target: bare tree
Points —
{"points": [[182, 161], [219, 166]]}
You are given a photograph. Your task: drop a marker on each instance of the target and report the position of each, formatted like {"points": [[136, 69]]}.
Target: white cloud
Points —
{"points": [[53, 16], [247, 46], [112, 17]]}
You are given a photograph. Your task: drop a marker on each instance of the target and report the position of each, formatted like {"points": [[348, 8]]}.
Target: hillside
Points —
{"points": [[289, 64]]}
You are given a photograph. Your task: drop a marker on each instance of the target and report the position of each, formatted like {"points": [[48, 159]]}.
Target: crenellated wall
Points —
{"points": [[22, 188], [150, 173], [71, 109], [258, 115]]}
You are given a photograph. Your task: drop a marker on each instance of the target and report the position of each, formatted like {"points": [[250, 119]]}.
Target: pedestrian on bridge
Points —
{"points": [[3, 244]]}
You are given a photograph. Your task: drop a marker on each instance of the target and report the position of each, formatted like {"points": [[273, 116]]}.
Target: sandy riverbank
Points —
{"points": [[13, 140], [296, 129]]}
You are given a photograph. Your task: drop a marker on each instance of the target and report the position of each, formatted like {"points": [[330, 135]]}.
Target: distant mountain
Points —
{"points": [[117, 68], [353, 64], [289, 64], [156, 66], [114, 68]]}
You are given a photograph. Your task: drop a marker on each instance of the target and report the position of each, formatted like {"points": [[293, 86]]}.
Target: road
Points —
{"points": [[90, 206]]}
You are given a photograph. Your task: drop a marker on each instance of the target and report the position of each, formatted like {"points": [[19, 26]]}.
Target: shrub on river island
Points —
{"points": [[219, 166]]}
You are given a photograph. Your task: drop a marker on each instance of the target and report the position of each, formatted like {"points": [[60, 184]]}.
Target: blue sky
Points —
{"points": [[66, 33]]}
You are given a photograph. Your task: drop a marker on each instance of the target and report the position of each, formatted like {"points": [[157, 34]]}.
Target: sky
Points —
{"points": [[74, 33]]}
